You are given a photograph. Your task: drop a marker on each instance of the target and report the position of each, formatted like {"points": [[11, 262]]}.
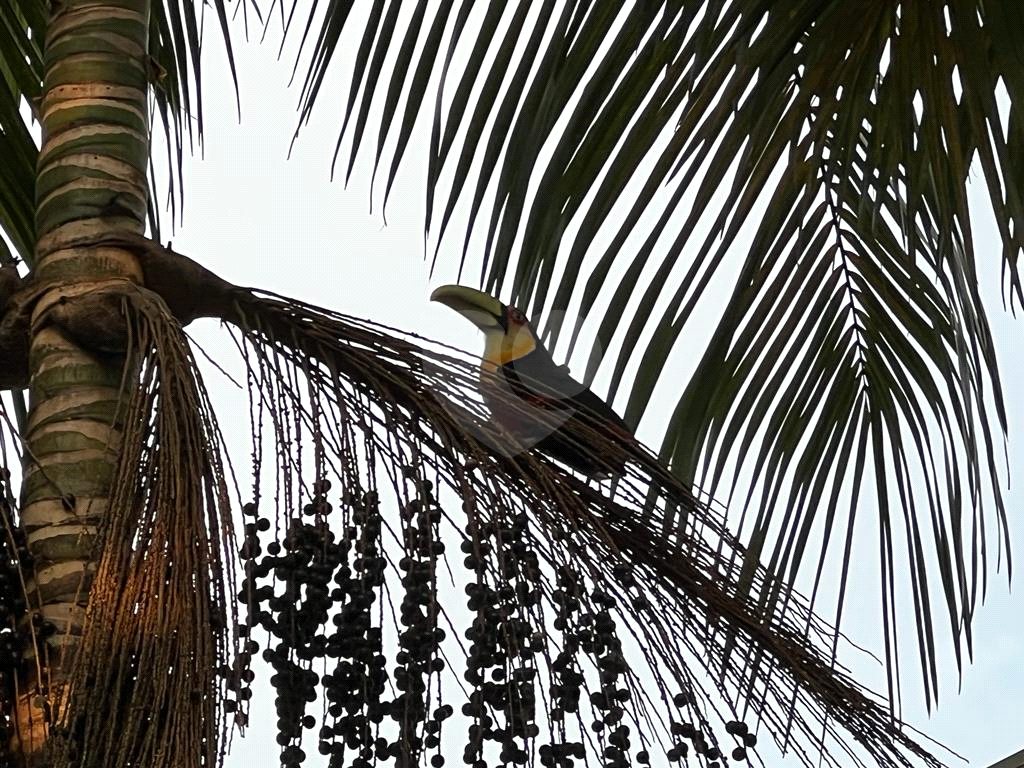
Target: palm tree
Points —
{"points": [[852, 354]]}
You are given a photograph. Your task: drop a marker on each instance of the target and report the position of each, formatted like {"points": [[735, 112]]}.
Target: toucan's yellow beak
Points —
{"points": [[481, 309]]}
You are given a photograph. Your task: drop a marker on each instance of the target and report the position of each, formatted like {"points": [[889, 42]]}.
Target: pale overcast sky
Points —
{"points": [[260, 219]]}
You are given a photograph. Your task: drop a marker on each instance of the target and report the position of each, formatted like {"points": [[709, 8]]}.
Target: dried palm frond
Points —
{"points": [[144, 686], [12, 595]]}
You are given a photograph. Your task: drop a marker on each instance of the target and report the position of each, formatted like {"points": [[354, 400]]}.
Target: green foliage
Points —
{"points": [[176, 79], [852, 365], [21, 67]]}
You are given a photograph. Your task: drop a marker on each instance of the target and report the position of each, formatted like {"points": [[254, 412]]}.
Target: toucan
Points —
{"points": [[533, 401]]}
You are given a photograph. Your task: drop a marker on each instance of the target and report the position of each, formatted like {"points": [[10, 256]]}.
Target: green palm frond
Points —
{"points": [[853, 361], [176, 39], [842, 360], [21, 66]]}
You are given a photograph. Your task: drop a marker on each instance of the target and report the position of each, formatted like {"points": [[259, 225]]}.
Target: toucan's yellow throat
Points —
{"points": [[507, 333]]}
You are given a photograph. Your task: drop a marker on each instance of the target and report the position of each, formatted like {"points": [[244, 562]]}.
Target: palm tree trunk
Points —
{"points": [[91, 181]]}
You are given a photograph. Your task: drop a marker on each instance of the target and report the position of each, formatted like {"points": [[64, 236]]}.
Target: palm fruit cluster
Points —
{"points": [[350, 606], [317, 593], [504, 644]]}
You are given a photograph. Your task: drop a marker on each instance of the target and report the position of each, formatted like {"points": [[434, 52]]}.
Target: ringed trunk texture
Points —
{"points": [[91, 180]]}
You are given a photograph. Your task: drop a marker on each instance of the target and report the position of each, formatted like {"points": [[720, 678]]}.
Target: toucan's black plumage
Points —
{"points": [[533, 399]]}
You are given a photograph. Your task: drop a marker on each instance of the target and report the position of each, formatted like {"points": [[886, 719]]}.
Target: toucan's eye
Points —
{"points": [[516, 316]]}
